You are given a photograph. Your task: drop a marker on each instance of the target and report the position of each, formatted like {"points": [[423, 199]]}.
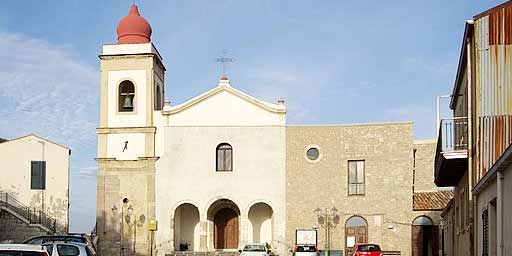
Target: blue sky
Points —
{"points": [[332, 61]]}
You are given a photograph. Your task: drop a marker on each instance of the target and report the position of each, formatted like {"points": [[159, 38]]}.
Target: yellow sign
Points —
{"points": [[153, 225]]}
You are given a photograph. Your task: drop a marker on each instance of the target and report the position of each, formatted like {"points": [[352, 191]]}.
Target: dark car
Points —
{"points": [[306, 250], [367, 250]]}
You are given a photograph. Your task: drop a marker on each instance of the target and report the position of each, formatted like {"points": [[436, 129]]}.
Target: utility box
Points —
{"points": [[153, 225]]}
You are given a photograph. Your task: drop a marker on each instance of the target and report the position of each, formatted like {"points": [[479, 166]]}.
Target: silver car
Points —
{"points": [[22, 250], [68, 249], [256, 249]]}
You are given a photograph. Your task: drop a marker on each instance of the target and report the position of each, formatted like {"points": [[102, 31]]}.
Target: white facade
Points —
{"points": [[16, 156], [186, 171]]}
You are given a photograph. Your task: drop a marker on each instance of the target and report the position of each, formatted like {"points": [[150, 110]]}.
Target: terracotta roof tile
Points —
{"points": [[431, 201]]}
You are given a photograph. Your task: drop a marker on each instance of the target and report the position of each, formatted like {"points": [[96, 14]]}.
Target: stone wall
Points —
{"points": [[387, 204], [117, 180], [424, 169], [14, 230]]}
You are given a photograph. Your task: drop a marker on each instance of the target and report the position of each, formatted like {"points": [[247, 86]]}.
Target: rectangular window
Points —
{"points": [[38, 175], [356, 185]]}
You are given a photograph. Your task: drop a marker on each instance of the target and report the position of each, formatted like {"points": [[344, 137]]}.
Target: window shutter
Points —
{"points": [[43, 175], [34, 177], [38, 175]]}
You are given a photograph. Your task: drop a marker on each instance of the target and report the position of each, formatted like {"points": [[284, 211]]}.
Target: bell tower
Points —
{"points": [[131, 97]]}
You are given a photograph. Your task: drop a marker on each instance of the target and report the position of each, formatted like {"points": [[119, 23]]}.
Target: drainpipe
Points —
{"points": [[499, 221]]}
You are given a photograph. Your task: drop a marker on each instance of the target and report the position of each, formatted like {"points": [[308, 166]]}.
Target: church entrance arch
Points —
{"points": [[186, 228], [224, 215], [260, 223]]}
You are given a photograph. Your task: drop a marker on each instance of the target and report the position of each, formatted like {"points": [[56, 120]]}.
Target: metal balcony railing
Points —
{"points": [[32, 215], [453, 134]]}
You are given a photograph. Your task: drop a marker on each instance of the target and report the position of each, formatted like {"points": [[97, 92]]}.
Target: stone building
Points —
{"points": [[223, 169], [34, 193]]}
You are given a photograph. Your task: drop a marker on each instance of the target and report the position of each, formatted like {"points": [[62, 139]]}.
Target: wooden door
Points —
{"points": [[425, 241], [358, 234], [226, 229]]}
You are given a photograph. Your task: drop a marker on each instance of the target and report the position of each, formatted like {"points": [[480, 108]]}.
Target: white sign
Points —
{"points": [[306, 236], [351, 241]]}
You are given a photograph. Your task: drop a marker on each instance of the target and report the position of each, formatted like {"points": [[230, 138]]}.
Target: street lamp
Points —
{"points": [[114, 212], [328, 219], [133, 222]]}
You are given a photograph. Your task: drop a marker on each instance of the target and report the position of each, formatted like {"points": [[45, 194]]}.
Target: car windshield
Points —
{"points": [[306, 248], [20, 253], [254, 248], [368, 248]]}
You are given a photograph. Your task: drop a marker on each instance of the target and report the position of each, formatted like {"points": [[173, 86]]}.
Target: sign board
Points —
{"points": [[351, 241], [306, 236]]}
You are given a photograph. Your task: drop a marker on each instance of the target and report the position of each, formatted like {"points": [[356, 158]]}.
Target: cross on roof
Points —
{"points": [[224, 60]]}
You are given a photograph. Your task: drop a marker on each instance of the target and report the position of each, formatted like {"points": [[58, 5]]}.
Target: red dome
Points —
{"points": [[133, 29]]}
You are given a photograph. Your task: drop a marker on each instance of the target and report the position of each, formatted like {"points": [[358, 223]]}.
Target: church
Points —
{"points": [[224, 169]]}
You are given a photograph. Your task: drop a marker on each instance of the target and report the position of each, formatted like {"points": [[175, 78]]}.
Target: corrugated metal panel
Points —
{"points": [[493, 39]]}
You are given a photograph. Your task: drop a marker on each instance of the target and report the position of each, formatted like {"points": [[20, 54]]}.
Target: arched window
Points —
{"points": [[158, 98], [126, 96], [356, 231], [224, 157], [422, 221]]}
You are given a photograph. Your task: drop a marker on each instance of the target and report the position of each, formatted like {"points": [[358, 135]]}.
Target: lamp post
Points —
{"points": [[133, 222], [328, 219], [114, 211]]}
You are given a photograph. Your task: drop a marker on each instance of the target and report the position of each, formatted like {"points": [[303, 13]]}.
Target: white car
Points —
{"points": [[68, 249], [22, 250], [256, 249]]}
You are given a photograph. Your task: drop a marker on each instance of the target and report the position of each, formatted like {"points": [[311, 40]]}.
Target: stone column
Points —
{"points": [[203, 233], [244, 229]]}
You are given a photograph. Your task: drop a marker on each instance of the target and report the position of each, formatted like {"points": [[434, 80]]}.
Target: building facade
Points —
{"points": [[35, 198], [474, 150], [223, 169]]}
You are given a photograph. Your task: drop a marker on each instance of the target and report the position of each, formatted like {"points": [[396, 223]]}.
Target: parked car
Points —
{"points": [[22, 250], [68, 249], [61, 238], [305, 250], [256, 249], [367, 250]]}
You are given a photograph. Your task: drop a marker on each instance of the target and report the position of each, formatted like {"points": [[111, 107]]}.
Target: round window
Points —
{"points": [[313, 154]]}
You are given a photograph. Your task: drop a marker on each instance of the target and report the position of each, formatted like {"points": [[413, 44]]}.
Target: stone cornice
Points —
{"points": [[108, 130]]}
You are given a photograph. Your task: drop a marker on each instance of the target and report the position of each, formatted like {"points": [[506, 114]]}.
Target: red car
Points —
{"points": [[367, 250]]}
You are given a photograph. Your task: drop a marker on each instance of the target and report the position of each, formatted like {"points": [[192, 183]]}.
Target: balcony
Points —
{"points": [[451, 160]]}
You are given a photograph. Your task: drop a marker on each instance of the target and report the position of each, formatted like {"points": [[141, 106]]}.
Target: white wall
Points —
{"points": [[186, 171], [16, 156], [134, 149], [225, 109]]}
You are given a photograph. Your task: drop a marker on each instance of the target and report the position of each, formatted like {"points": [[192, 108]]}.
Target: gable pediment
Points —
{"points": [[225, 105]]}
